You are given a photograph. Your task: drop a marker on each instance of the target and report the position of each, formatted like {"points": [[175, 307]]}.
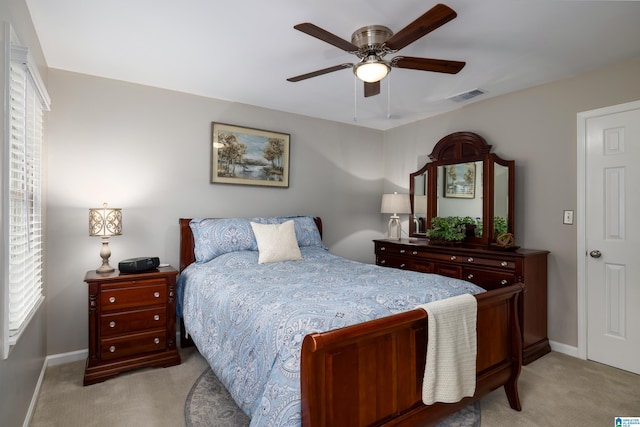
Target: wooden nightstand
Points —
{"points": [[131, 322]]}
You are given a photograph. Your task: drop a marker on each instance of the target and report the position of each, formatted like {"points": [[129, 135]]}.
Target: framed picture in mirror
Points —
{"points": [[460, 180]]}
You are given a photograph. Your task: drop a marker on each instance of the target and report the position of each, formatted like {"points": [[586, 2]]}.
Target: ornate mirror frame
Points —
{"points": [[486, 175]]}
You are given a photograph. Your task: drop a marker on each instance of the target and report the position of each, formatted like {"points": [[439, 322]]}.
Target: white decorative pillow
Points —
{"points": [[276, 242]]}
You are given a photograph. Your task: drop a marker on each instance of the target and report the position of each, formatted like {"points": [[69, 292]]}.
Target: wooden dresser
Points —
{"points": [[487, 268], [131, 322]]}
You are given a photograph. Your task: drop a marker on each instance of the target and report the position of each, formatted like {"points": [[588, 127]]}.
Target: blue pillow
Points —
{"points": [[216, 236]]}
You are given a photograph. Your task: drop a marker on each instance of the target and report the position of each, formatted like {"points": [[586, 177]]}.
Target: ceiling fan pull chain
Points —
{"points": [[388, 97], [355, 98]]}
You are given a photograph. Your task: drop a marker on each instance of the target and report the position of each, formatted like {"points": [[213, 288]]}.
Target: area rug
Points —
{"points": [[209, 404]]}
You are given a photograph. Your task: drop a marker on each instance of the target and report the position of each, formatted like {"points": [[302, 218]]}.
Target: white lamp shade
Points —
{"points": [[371, 72], [395, 204], [105, 221], [420, 205]]}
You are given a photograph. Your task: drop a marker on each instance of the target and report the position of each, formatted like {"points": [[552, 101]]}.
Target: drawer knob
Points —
{"points": [[156, 317], [414, 253], [156, 294], [112, 349], [112, 299], [470, 276], [156, 340], [112, 324], [383, 261], [469, 259], [402, 265], [453, 257], [503, 263], [402, 251], [383, 248], [504, 282]]}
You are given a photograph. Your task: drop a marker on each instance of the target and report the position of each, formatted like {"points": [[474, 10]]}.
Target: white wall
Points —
{"points": [[537, 129], [147, 151]]}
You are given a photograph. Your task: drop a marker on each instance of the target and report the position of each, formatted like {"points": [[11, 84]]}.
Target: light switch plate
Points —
{"points": [[567, 217]]}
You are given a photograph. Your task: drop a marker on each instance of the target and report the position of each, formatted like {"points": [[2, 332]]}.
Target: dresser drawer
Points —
{"points": [[392, 261], [489, 262], [488, 279], [141, 293], [129, 321], [144, 342], [383, 249]]}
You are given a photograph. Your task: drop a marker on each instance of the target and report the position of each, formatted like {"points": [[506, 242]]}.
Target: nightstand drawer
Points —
{"points": [[145, 342], [128, 321], [142, 293]]}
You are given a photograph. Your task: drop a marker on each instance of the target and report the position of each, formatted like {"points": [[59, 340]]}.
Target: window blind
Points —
{"points": [[24, 251]]}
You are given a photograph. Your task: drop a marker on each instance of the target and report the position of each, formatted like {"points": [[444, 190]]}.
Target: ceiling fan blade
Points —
{"points": [[326, 36], [371, 89], [427, 64], [435, 17], [319, 72]]}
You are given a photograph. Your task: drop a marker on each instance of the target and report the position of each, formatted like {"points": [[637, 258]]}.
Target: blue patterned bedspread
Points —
{"points": [[248, 319]]}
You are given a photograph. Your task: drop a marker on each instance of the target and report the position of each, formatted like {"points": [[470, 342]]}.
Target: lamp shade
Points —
{"points": [[105, 221], [395, 204], [371, 70]]}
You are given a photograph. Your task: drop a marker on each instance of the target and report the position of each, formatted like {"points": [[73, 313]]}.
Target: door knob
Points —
{"points": [[595, 254]]}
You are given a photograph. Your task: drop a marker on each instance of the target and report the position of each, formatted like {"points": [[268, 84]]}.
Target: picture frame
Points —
{"points": [[248, 156], [460, 180]]}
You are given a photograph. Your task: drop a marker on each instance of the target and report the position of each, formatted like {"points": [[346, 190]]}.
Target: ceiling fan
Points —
{"points": [[373, 42]]}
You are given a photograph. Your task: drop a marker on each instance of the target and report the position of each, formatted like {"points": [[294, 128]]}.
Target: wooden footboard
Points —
{"points": [[371, 373]]}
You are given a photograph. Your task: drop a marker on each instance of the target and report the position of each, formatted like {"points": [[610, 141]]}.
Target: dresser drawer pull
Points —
{"points": [[383, 248], [156, 294], [402, 251], [414, 253], [156, 340], [156, 317], [112, 349], [112, 324], [384, 261], [469, 259], [112, 299], [504, 263], [504, 281], [402, 265], [453, 258], [470, 276]]}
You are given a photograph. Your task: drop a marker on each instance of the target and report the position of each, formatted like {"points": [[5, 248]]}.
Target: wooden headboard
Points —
{"points": [[187, 244]]}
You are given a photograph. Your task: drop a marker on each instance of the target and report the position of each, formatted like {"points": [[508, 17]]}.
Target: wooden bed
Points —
{"points": [[371, 373]]}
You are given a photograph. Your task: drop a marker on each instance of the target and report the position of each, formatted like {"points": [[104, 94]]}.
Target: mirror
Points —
{"points": [[464, 179]]}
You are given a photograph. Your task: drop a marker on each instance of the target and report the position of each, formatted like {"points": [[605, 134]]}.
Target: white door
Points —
{"points": [[612, 237]]}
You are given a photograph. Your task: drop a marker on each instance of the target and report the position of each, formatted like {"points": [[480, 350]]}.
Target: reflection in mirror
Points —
{"points": [[464, 179], [420, 203], [460, 191], [500, 198]]}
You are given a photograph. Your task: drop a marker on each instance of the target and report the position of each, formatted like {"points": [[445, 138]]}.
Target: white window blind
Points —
{"points": [[27, 100]]}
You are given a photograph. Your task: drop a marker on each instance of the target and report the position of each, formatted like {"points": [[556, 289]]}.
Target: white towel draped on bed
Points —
{"points": [[450, 371]]}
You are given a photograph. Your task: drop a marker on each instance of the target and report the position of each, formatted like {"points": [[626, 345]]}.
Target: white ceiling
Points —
{"points": [[243, 51]]}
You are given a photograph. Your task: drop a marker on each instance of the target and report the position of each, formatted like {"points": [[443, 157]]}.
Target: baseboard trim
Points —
{"points": [[569, 350], [62, 358], [53, 360]]}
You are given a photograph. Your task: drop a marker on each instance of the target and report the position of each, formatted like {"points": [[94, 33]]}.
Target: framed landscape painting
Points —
{"points": [[460, 180], [241, 155]]}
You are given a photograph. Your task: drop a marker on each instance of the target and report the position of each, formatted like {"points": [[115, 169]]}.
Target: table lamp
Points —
{"points": [[105, 222]]}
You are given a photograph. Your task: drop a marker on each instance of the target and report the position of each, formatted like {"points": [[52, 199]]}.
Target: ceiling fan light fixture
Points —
{"points": [[371, 69]]}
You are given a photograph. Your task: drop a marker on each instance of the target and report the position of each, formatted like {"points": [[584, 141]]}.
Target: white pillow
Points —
{"points": [[276, 242]]}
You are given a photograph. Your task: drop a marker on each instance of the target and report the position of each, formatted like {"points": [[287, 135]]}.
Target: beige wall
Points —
{"points": [[19, 373], [536, 128]]}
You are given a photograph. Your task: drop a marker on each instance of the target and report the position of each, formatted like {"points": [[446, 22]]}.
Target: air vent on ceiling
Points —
{"points": [[465, 96]]}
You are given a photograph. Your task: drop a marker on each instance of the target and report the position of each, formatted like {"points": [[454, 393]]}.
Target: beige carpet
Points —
{"points": [[556, 390]]}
